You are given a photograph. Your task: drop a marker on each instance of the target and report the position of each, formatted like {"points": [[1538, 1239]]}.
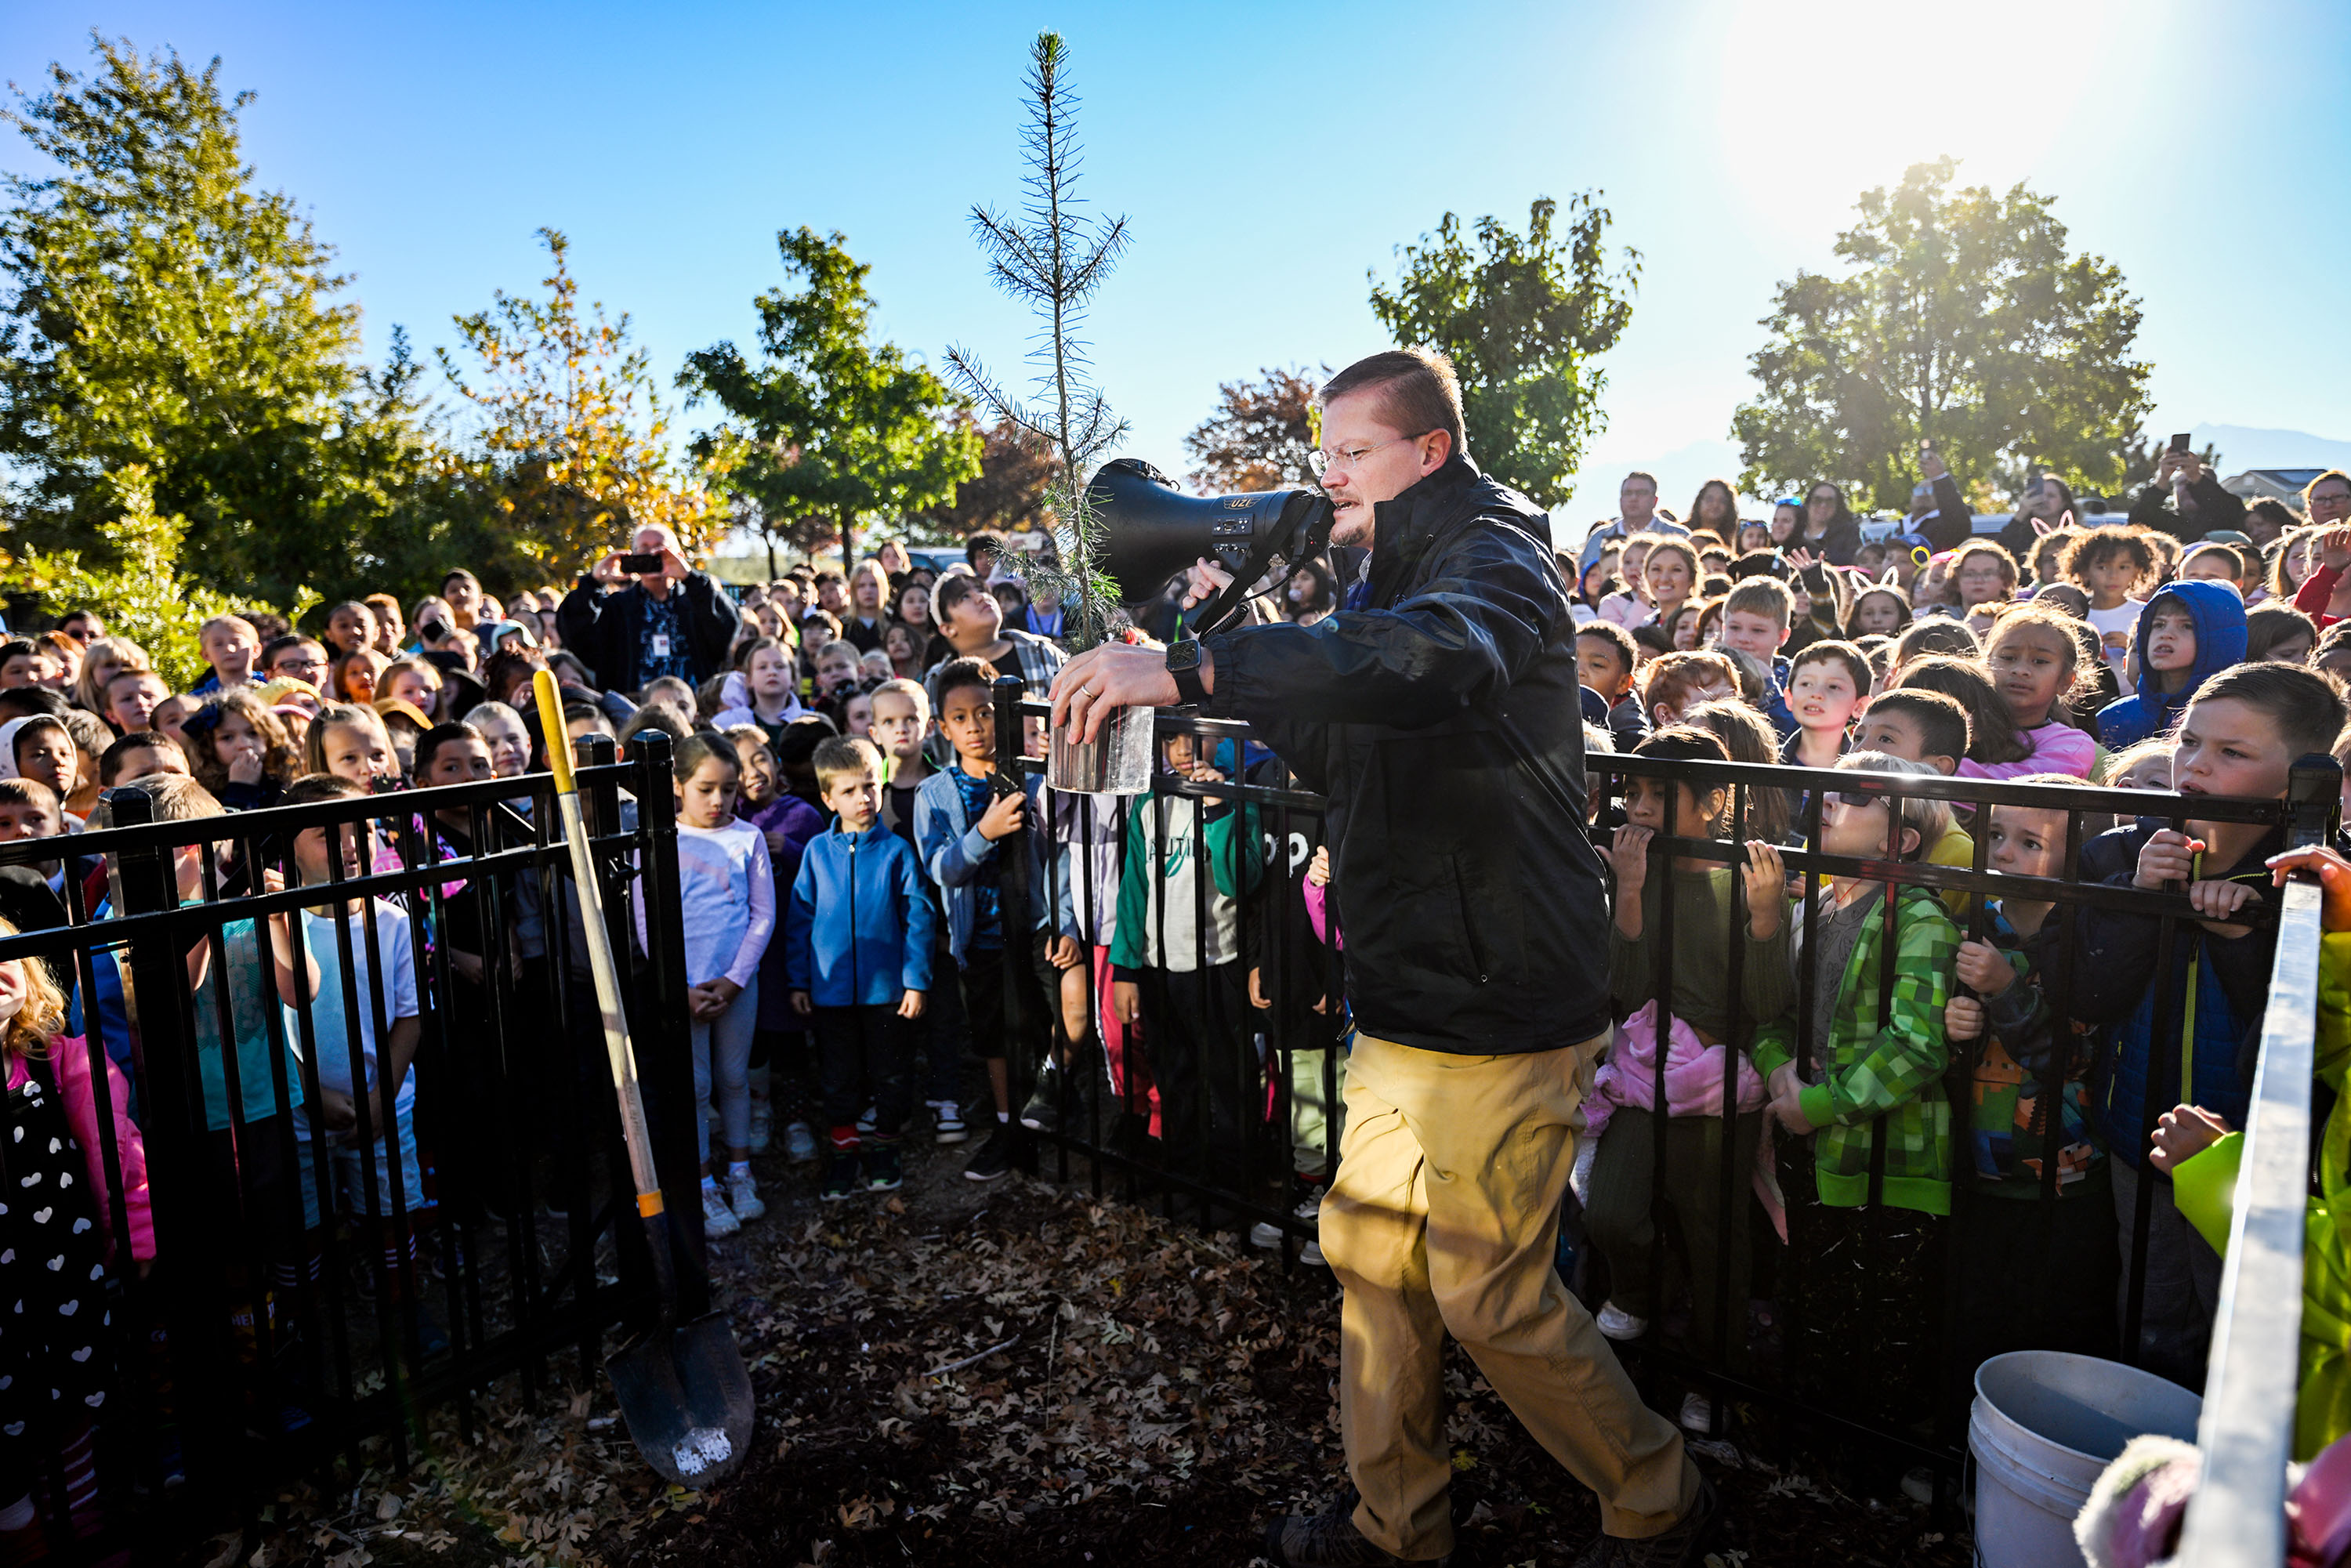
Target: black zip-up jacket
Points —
{"points": [[2216, 511], [607, 630], [1443, 723]]}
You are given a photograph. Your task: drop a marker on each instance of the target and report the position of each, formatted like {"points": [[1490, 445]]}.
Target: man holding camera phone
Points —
{"points": [[2198, 505], [642, 613], [1439, 712]]}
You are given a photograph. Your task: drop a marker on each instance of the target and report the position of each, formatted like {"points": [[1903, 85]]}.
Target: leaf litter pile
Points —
{"points": [[1018, 1373]]}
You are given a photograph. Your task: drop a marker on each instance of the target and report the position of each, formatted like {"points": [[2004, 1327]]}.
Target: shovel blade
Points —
{"points": [[686, 1398]]}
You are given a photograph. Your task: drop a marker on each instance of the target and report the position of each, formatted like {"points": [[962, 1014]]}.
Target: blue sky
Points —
{"points": [[1268, 154]]}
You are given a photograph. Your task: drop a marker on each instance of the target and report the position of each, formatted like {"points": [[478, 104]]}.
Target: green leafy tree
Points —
{"points": [[1262, 436], [575, 435], [1524, 319], [164, 314], [827, 426], [1963, 319], [1051, 258], [134, 575]]}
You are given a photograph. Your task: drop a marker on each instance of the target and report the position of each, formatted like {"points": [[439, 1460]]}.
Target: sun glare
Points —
{"points": [[1825, 98]]}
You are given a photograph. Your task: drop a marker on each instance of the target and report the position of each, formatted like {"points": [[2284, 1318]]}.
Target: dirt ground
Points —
{"points": [[1131, 1391]]}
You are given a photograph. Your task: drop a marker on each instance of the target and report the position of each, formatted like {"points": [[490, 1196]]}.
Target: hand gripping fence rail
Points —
{"points": [[317, 1284], [1238, 1014]]}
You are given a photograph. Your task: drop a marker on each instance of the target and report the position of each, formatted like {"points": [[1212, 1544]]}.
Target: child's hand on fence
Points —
{"points": [[1790, 1109], [1062, 952], [1984, 969], [802, 1005], [2166, 856], [2183, 1131], [2219, 900], [1258, 997], [1318, 869], [1126, 1000], [1963, 1017], [1629, 856], [910, 1006], [1766, 875], [1002, 817], [2334, 874]]}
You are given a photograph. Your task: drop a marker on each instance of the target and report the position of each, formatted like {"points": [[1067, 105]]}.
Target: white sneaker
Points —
{"points": [[950, 1128], [1618, 1323], [718, 1219], [1311, 1253], [865, 1122], [763, 1126], [1265, 1233], [1698, 1414], [742, 1198], [799, 1142]]}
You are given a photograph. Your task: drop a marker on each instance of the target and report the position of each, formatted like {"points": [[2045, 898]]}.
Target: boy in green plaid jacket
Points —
{"points": [[1865, 1336], [1864, 1070]]}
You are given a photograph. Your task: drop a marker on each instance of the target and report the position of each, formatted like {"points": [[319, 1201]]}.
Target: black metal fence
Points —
{"points": [[1819, 1338], [331, 1263]]}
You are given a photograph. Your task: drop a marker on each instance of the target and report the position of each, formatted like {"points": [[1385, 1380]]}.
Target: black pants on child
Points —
{"points": [[1620, 1216], [1198, 1035], [2035, 1276], [866, 1056], [984, 976], [1866, 1296]]}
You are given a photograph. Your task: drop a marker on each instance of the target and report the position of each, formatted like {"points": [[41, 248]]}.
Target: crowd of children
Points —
{"points": [[855, 933], [2006, 1047]]}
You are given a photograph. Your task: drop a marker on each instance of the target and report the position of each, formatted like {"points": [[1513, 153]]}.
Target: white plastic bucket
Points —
{"points": [[2044, 1425]]}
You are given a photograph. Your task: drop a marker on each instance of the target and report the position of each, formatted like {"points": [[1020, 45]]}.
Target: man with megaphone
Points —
{"points": [[1438, 710]]}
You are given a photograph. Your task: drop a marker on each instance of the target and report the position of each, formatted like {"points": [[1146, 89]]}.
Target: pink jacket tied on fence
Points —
{"points": [[68, 1065], [1693, 1074]]}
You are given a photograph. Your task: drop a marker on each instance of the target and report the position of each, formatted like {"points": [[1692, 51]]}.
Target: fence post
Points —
{"points": [[188, 1233], [2237, 1518], [664, 1023], [1012, 883]]}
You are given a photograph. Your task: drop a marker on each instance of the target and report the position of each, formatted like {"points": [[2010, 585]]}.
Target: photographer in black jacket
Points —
{"points": [[633, 628], [1439, 712]]}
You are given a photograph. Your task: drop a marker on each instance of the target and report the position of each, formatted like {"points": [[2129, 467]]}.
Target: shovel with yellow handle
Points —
{"points": [[683, 1387]]}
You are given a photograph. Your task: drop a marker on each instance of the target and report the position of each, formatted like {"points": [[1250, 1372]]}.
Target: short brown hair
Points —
{"points": [[1762, 595], [1671, 677], [1416, 389], [176, 797], [1836, 652], [843, 755]]}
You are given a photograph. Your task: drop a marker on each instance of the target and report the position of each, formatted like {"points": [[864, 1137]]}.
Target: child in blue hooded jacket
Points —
{"points": [[858, 944], [2186, 634]]}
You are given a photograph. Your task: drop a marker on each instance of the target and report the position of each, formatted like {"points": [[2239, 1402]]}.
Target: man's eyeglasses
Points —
{"points": [[1322, 459]]}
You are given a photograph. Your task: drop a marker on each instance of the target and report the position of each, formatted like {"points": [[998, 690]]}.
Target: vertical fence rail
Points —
{"points": [[2237, 1517]]}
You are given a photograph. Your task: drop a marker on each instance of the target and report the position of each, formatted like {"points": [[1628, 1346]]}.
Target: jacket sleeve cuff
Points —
{"points": [[1126, 974], [1818, 1105]]}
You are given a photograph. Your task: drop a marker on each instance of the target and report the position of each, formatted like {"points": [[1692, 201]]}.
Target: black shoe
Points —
{"points": [[1042, 1113], [995, 1156], [1676, 1548], [841, 1178], [884, 1171], [1330, 1540]]}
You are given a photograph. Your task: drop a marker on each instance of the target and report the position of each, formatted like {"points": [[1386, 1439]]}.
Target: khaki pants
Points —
{"points": [[1443, 1218]]}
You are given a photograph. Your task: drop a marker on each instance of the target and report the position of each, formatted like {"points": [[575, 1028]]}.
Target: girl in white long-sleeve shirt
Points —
{"points": [[728, 892]]}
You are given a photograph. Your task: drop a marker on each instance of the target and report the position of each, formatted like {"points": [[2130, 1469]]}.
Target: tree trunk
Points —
{"points": [[848, 544]]}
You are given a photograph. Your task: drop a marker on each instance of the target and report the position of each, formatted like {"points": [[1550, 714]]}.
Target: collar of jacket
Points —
{"points": [[1404, 529]]}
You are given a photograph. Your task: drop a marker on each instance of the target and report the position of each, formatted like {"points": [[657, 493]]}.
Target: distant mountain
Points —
{"points": [[2242, 447]]}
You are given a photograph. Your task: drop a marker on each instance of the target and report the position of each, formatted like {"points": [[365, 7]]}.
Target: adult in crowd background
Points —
{"points": [[1938, 514], [1439, 712], [2185, 500], [1637, 513], [633, 628], [1829, 528]]}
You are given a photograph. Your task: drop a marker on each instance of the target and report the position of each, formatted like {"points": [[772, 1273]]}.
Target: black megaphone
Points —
{"points": [[1153, 532]]}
